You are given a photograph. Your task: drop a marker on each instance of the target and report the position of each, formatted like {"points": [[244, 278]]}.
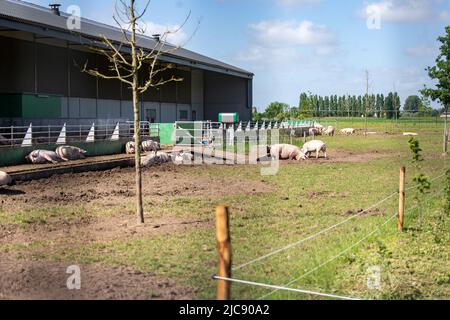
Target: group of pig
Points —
{"points": [[146, 146], [61, 154], [319, 129], [291, 152], [157, 156]]}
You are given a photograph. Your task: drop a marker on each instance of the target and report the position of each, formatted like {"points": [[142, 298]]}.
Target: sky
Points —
{"points": [[293, 46]]}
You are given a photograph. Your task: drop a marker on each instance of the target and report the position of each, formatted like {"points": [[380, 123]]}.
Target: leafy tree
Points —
{"points": [[277, 111], [257, 116], [413, 104], [441, 73], [305, 104], [327, 106]]}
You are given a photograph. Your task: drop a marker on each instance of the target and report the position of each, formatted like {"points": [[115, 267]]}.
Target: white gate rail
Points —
{"points": [[16, 136]]}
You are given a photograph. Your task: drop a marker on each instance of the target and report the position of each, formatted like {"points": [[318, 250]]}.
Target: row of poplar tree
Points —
{"points": [[378, 105]]}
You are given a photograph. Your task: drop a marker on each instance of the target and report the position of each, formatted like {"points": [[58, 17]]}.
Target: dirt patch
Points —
{"points": [[96, 229], [117, 186], [343, 156], [26, 280]]}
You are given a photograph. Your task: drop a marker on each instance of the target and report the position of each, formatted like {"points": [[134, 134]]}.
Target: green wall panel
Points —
{"points": [[35, 106], [30, 106], [166, 131]]}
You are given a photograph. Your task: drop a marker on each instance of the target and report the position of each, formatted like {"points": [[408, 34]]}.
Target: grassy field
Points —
{"points": [[302, 199]]}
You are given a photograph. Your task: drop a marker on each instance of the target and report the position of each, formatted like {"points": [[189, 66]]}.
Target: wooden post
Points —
{"points": [[224, 252], [401, 203]]}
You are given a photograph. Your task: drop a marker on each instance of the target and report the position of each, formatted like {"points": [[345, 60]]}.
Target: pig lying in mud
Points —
{"points": [[43, 156], [5, 179], [183, 158], [154, 159], [68, 153]]}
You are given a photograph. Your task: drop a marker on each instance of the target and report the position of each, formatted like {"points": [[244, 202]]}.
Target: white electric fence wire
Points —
{"points": [[269, 286], [378, 228], [315, 235], [292, 245], [286, 287]]}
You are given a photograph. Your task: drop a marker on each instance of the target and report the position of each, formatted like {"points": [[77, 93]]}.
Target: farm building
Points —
{"points": [[41, 79]]}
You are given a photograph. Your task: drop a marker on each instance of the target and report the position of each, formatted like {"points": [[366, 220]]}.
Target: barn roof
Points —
{"points": [[25, 16]]}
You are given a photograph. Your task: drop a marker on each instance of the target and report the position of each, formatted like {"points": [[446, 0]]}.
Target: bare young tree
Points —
{"points": [[126, 60]]}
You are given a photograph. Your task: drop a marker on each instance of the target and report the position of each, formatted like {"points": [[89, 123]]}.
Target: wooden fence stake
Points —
{"points": [[224, 252], [401, 202]]}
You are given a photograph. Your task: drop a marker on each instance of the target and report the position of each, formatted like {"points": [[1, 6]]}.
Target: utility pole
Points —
{"points": [[367, 99]]}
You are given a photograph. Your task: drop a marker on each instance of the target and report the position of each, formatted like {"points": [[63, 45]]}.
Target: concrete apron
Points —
{"points": [[35, 171]]}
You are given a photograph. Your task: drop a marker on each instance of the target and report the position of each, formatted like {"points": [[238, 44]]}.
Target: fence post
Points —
{"points": [[224, 252], [401, 202]]}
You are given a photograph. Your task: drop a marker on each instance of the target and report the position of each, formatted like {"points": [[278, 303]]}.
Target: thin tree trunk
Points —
{"points": [[137, 137], [137, 159], [446, 130]]}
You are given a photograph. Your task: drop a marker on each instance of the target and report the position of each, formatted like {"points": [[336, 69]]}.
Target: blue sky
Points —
{"points": [[322, 46]]}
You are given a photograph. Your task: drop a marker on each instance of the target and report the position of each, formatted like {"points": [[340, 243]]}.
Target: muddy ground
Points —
{"points": [[37, 280], [25, 278]]}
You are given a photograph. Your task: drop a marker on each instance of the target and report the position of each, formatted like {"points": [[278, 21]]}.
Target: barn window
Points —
{"points": [[183, 115]]}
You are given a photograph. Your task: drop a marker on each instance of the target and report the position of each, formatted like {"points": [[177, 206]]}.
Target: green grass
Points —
{"points": [[306, 199]]}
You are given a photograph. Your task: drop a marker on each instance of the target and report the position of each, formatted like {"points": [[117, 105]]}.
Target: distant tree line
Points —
{"points": [[379, 106], [375, 106]]}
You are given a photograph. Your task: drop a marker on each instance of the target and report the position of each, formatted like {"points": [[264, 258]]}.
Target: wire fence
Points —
{"points": [[287, 286], [315, 235]]}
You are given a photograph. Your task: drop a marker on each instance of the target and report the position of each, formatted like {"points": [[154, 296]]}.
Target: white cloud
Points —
{"points": [[286, 44], [263, 58], [175, 34], [422, 51], [403, 10], [291, 33]]}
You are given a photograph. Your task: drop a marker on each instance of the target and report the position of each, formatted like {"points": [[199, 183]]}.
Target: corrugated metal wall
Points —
{"points": [[225, 93], [55, 70]]}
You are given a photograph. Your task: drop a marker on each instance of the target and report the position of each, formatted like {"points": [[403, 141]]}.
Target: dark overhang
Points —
{"points": [[22, 16]]}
